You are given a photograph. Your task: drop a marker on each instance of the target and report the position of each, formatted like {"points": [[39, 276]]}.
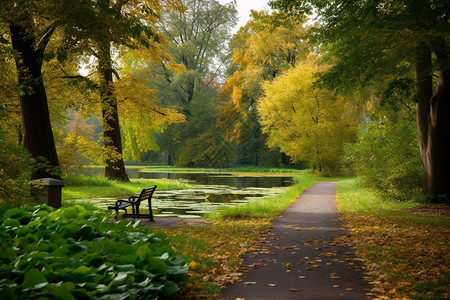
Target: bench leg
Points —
{"points": [[133, 210], [150, 212]]}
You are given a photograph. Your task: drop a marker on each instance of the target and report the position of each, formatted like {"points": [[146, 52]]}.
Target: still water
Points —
{"points": [[210, 191]]}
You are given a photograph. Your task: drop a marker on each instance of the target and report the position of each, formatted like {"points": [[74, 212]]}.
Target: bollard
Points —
{"points": [[47, 191]]}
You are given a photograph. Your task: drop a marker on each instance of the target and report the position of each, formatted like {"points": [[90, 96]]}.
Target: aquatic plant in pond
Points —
{"points": [[195, 202]]}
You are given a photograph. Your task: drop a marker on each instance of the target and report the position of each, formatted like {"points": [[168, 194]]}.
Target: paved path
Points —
{"points": [[298, 258]]}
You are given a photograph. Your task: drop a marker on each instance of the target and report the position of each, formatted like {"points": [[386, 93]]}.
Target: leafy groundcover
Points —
{"points": [[77, 253]]}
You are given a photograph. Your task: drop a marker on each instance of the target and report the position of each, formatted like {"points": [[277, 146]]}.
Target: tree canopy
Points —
{"points": [[366, 41]]}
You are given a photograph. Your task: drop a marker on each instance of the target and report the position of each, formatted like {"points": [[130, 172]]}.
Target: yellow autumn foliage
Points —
{"points": [[305, 122], [141, 114]]}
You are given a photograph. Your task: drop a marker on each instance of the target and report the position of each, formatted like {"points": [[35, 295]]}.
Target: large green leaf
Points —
{"points": [[33, 277]]}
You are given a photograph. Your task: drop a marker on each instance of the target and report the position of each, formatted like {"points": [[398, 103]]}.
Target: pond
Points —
{"points": [[210, 191]]}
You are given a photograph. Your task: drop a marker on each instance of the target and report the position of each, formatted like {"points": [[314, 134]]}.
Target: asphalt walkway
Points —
{"points": [[298, 257]]}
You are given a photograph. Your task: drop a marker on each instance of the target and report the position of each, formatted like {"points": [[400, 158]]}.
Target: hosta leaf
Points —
{"points": [[156, 266], [32, 278], [130, 269], [142, 252]]}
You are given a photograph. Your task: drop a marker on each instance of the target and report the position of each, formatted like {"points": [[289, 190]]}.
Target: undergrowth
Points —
{"points": [[77, 253]]}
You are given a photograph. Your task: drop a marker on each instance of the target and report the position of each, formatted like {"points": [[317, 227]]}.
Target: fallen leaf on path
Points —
{"points": [[250, 282], [294, 290], [271, 284], [302, 277], [287, 266]]}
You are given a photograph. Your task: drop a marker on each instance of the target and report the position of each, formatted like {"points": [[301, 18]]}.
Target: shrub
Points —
{"points": [[77, 253], [15, 171], [386, 157]]}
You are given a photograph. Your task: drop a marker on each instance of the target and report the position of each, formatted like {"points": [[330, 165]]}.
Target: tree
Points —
{"points": [[264, 48], [140, 106], [31, 26], [196, 37], [306, 122], [104, 28], [366, 40]]}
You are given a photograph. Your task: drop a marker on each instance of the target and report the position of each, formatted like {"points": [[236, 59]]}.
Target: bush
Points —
{"points": [[386, 157], [77, 253], [15, 171]]}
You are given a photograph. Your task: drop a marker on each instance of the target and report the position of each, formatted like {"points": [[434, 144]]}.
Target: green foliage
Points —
{"points": [[78, 253], [386, 157], [196, 37], [15, 170]]}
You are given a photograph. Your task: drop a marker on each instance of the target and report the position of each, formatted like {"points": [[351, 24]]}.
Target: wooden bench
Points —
{"points": [[135, 202]]}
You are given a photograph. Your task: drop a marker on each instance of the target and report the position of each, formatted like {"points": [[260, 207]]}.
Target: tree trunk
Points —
{"points": [[38, 134], [115, 167], [433, 122]]}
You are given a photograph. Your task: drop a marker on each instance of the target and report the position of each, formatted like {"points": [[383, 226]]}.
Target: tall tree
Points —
{"points": [[98, 28], [197, 36], [31, 25], [368, 39]]}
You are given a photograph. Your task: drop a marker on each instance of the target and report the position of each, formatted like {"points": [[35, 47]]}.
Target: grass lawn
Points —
{"points": [[405, 245]]}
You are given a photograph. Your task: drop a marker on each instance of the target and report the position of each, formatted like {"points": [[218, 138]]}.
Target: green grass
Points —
{"points": [[269, 207], [85, 187], [355, 199]]}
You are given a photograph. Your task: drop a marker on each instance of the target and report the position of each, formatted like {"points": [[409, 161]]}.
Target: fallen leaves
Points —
{"points": [[406, 255], [215, 253], [334, 276]]}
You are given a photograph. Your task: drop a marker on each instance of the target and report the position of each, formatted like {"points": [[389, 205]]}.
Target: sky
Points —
{"points": [[244, 7]]}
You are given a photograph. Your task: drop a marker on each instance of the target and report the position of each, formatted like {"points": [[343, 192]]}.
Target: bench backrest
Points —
{"points": [[147, 193]]}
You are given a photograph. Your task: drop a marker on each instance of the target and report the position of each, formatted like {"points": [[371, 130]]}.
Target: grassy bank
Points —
{"points": [[404, 244], [268, 207], [85, 187]]}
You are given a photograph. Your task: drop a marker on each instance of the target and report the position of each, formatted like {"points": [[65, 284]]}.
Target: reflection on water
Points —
{"points": [[209, 192], [221, 179]]}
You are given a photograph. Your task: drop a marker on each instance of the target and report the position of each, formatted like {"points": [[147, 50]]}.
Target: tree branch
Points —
{"points": [[42, 44]]}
